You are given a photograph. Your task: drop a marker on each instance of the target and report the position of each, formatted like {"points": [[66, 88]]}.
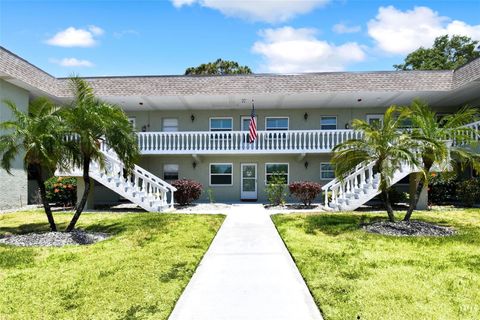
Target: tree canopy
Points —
{"points": [[218, 67], [445, 54]]}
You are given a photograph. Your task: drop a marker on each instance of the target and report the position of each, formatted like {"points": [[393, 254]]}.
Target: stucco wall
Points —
{"points": [[13, 188], [153, 119]]}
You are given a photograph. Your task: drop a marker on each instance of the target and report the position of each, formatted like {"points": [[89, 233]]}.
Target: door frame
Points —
{"points": [[250, 195]]}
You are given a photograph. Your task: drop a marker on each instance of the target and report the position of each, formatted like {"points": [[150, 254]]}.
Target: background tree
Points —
{"points": [[38, 134], [218, 67], [382, 143], [445, 54], [431, 132], [94, 121]]}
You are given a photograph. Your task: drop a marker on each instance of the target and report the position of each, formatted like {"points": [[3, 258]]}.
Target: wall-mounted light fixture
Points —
{"points": [[347, 125], [192, 117], [306, 164], [194, 164], [145, 127], [305, 116], [140, 103]]}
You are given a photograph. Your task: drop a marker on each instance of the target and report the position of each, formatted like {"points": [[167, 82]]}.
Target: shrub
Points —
{"points": [[187, 191], [305, 191], [442, 188], [62, 190], [468, 191], [397, 197], [275, 189]]}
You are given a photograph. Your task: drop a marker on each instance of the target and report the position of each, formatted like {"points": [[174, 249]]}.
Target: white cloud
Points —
{"points": [[343, 28], [72, 62], [72, 37], [123, 33], [400, 32], [289, 50], [265, 10]]}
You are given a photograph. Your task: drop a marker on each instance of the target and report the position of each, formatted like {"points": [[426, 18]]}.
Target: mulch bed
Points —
{"points": [[54, 239], [406, 229]]}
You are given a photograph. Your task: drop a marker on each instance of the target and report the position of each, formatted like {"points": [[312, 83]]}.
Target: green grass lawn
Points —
{"points": [[354, 274], [139, 273]]}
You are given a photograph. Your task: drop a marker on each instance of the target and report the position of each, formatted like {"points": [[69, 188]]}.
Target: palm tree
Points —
{"points": [[92, 121], [37, 135], [431, 132], [381, 142]]}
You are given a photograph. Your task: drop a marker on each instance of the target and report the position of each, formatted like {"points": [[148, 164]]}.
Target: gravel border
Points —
{"points": [[54, 239], [408, 229]]}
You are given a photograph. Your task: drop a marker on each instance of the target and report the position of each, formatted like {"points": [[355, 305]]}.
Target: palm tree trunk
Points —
{"points": [[388, 205], [415, 189], [43, 195], [81, 205]]}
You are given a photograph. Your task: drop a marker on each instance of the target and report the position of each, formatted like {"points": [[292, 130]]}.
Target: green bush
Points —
{"points": [[442, 188], [276, 189], [397, 197], [62, 190], [468, 191]]}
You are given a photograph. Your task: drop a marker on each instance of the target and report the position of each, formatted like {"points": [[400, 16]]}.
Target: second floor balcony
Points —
{"points": [[237, 142]]}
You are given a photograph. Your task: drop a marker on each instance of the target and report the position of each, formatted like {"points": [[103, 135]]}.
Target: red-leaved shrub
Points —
{"points": [[305, 191], [187, 191]]}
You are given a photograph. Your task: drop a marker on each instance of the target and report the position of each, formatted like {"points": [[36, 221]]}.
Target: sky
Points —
{"points": [[163, 37]]}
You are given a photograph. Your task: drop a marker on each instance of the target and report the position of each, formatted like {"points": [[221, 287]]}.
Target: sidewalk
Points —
{"points": [[246, 274]]}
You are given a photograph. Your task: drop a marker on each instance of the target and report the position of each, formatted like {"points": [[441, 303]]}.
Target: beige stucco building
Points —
{"points": [[196, 126]]}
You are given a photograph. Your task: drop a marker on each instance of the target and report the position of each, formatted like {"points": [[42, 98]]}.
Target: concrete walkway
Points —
{"points": [[246, 274]]}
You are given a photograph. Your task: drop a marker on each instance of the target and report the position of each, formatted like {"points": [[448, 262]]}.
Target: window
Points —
{"points": [[376, 119], [221, 124], [221, 174], [276, 123], [132, 122], [327, 171], [170, 172], [328, 123], [276, 168], [170, 125]]}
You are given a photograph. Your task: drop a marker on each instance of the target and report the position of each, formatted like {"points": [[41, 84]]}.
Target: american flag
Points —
{"points": [[252, 127]]}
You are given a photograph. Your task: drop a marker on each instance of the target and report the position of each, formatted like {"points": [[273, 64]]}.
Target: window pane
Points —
{"points": [[221, 124], [221, 168], [283, 176], [220, 179], [277, 123], [328, 175], [326, 166], [271, 168], [170, 172], [328, 123], [170, 125]]}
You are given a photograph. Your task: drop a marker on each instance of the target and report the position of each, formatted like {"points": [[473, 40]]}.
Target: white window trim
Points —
{"points": [[163, 124], [326, 179], [288, 123], [215, 118], [288, 169], [178, 170], [333, 116], [210, 174], [378, 116]]}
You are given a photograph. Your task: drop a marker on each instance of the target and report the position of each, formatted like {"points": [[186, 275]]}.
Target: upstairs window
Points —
{"points": [[221, 124], [328, 123], [132, 121], [170, 125], [276, 123]]}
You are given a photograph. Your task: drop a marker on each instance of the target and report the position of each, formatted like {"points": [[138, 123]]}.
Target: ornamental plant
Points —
{"points": [[62, 190], [275, 189], [305, 191], [187, 191], [468, 191]]}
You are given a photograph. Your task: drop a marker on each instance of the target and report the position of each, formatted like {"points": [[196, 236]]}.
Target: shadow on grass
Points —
{"points": [[334, 224], [24, 228]]}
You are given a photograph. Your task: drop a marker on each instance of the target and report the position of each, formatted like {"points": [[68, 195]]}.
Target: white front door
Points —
{"points": [[249, 181]]}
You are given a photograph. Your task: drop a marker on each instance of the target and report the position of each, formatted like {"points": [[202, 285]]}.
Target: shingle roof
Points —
{"points": [[13, 66]]}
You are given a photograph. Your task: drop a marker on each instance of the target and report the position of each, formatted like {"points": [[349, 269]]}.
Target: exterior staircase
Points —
{"points": [[141, 187], [361, 184]]}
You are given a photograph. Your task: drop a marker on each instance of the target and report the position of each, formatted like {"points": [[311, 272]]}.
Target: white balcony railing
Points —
{"points": [[208, 142]]}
